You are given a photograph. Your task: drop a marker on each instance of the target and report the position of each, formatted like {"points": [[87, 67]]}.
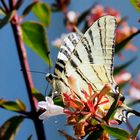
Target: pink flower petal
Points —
{"points": [[134, 93], [123, 77]]}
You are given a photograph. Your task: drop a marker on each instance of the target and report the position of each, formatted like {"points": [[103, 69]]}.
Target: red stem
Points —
{"points": [[27, 76]]}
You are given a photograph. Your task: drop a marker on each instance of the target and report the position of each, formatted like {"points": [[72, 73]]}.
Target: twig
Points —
{"points": [[4, 5], [27, 76]]}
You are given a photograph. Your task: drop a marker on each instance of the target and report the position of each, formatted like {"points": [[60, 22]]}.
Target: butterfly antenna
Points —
{"points": [[49, 70], [33, 71], [46, 88], [78, 31]]}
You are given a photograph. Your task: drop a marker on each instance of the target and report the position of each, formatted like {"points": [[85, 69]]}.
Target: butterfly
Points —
{"points": [[89, 59]]}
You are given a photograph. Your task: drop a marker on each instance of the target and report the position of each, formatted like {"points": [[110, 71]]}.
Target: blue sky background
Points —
{"points": [[12, 84]]}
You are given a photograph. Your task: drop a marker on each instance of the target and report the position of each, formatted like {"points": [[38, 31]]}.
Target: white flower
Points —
{"points": [[50, 107], [72, 16], [58, 41]]}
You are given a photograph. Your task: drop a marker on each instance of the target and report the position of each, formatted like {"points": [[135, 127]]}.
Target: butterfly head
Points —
{"points": [[49, 77]]}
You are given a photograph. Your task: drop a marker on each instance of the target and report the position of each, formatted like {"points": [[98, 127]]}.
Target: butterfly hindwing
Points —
{"points": [[59, 82], [69, 43]]}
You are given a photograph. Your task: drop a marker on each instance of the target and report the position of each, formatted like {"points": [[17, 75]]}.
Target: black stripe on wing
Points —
{"points": [[77, 56], [68, 45], [81, 75], [87, 47], [97, 74], [91, 36], [59, 67], [99, 27]]}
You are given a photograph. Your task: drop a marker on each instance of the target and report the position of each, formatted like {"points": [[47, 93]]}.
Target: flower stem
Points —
{"points": [[27, 76]]}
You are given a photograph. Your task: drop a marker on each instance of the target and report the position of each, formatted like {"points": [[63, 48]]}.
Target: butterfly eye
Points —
{"points": [[49, 77]]}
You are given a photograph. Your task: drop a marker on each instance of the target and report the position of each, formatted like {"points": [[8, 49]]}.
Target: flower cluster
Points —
{"points": [[60, 5], [98, 11], [84, 111], [134, 91], [86, 115]]}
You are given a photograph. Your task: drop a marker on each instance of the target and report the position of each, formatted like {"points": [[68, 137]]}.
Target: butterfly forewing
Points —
{"points": [[92, 59]]}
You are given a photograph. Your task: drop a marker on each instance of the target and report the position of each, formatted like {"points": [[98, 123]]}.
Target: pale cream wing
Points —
{"points": [[92, 59]]}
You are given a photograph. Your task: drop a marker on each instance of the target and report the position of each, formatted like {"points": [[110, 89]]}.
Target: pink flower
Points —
{"points": [[87, 109], [111, 11], [58, 41], [122, 78], [134, 91], [99, 11], [61, 5], [96, 13], [71, 20]]}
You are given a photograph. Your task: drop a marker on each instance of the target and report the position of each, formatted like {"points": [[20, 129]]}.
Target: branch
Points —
{"points": [[5, 6], [27, 76]]}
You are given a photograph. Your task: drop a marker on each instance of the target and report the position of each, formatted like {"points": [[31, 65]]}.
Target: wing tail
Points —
{"points": [[124, 112]]}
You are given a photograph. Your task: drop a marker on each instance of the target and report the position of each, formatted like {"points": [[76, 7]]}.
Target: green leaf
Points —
{"points": [[116, 132], [135, 132], [38, 95], [118, 69], [58, 101], [96, 134], [123, 43], [34, 36], [42, 12], [29, 138], [112, 109], [10, 128], [7, 19], [28, 9], [12, 106], [136, 4], [21, 104]]}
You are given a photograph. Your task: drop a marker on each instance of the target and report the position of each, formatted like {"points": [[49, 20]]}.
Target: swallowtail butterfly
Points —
{"points": [[89, 58]]}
